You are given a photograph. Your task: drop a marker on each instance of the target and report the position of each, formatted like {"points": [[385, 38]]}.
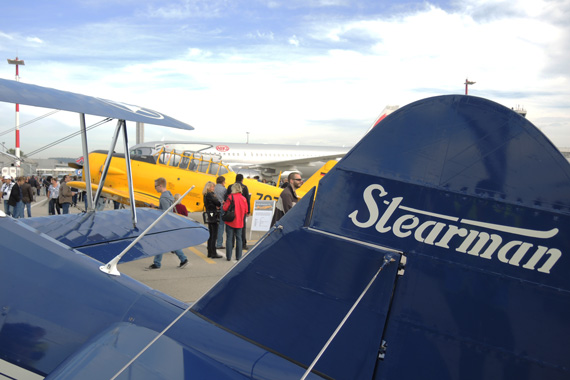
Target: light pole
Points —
{"points": [[17, 62], [467, 83]]}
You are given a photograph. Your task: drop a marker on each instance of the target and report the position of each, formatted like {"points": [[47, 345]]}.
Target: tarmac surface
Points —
{"points": [[187, 284]]}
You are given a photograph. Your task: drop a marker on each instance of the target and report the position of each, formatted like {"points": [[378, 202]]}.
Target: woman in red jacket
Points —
{"points": [[234, 227]]}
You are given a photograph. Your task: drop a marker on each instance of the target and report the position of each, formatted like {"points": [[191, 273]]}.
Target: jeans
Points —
{"points": [[65, 208], [53, 206], [179, 253], [243, 239], [28, 207], [221, 225], [18, 210], [230, 242], [7, 208]]}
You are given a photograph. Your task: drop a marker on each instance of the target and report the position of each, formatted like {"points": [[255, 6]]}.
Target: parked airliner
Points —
{"points": [[266, 159]]}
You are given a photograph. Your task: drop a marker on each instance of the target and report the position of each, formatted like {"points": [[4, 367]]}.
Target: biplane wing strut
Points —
{"points": [[16, 92]]}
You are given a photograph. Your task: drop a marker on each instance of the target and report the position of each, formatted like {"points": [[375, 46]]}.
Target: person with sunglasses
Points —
{"points": [[288, 197]]}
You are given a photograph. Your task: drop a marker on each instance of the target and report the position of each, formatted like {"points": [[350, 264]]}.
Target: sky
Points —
{"points": [[308, 72]]}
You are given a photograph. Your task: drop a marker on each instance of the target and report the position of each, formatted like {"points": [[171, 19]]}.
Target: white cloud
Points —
{"points": [[183, 9], [316, 74], [293, 40], [34, 39]]}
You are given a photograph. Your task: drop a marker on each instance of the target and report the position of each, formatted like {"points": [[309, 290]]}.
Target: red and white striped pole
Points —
{"points": [[17, 62], [467, 83]]}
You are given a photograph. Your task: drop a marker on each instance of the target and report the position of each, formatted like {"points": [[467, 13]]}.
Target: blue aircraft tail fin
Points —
{"points": [[103, 235], [461, 208]]}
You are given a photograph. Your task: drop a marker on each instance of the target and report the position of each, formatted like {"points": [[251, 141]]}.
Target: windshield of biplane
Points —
{"points": [[192, 161]]}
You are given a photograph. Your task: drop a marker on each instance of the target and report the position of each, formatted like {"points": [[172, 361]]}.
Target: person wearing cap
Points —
{"points": [[5, 190]]}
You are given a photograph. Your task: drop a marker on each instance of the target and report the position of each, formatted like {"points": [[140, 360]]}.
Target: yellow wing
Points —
{"points": [[142, 199], [315, 178]]}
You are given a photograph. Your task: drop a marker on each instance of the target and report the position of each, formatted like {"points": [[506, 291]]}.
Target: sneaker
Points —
{"points": [[183, 264], [153, 266]]}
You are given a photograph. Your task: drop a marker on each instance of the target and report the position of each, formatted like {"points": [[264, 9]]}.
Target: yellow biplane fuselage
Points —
{"points": [[181, 171]]}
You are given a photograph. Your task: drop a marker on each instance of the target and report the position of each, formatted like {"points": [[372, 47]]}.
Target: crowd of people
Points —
{"points": [[20, 192], [219, 203]]}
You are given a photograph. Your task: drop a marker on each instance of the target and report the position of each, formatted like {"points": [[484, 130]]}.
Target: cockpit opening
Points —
{"points": [[193, 161]]}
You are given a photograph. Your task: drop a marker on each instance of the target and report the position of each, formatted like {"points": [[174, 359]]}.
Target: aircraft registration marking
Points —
{"points": [[266, 197]]}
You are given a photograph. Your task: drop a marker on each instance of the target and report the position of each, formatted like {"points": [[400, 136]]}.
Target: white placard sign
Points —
{"points": [[262, 215]]}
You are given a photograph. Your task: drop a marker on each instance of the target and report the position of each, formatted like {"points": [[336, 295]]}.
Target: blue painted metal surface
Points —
{"points": [[294, 290], [104, 234], [32, 95], [471, 196], [476, 300], [61, 316]]}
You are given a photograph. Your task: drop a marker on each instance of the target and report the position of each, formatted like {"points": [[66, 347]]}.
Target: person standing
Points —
{"points": [[288, 197], [15, 201], [212, 206], [28, 195], [6, 190], [220, 191], [53, 195], [166, 200], [234, 227], [180, 208], [33, 184], [65, 195], [245, 193], [76, 194]]}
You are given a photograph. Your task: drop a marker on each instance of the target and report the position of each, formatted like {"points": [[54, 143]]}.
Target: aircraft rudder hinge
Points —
{"points": [[402, 266], [382, 350]]}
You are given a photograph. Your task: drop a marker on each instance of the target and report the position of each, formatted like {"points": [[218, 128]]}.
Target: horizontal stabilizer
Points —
{"points": [[104, 234]]}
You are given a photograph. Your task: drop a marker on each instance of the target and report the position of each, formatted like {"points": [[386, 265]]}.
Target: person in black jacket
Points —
{"points": [[16, 198], [212, 205]]}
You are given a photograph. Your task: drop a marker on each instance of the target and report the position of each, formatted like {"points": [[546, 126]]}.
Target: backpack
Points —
{"points": [[230, 214]]}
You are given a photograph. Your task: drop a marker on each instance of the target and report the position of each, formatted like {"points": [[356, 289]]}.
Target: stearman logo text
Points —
{"points": [[425, 228]]}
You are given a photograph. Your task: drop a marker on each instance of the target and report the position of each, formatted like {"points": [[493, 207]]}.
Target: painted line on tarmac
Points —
{"points": [[201, 255]]}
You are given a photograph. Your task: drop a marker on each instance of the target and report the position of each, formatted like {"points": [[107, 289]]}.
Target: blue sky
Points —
{"points": [[296, 71]]}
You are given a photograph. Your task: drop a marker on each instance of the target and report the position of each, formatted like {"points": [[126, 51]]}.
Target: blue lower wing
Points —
{"points": [[106, 355], [104, 234]]}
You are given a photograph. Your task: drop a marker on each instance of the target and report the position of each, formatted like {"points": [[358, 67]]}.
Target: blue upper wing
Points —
{"points": [[32, 95]]}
